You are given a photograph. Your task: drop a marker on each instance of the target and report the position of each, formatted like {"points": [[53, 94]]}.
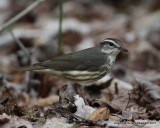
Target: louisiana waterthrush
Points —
{"points": [[84, 66]]}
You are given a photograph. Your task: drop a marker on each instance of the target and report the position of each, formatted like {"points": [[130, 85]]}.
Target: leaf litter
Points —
{"points": [[128, 97]]}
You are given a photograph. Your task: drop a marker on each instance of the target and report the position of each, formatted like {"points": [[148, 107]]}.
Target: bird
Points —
{"points": [[85, 66]]}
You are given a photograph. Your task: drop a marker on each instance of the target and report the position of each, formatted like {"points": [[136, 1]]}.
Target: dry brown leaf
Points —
{"points": [[48, 101], [100, 114], [115, 118], [148, 92], [148, 96]]}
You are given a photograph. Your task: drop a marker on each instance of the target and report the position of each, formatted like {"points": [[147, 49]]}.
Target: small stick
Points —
{"points": [[20, 15], [20, 44], [128, 101], [3, 85], [10, 95]]}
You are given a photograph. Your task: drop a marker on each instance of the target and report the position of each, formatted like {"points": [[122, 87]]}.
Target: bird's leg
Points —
{"points": [[79, 88]]}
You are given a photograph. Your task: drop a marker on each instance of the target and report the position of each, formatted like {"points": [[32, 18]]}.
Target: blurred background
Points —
{"points": [[84, 24]]}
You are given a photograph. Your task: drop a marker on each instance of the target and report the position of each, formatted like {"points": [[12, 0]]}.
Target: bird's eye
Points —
{"points": [[111, 44]]}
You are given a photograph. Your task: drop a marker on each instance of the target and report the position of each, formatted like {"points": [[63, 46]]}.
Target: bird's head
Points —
{"points": [[112, 46]]}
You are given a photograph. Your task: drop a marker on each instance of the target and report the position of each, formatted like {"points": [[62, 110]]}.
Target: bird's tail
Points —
{"points": [[30, 68]]}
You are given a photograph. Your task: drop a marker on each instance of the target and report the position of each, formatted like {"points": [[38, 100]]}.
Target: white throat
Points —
{"points": [[111, 54], [112, 57]]}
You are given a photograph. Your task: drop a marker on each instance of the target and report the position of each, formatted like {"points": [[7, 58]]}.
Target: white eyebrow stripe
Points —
{"points": [[112, 42]]}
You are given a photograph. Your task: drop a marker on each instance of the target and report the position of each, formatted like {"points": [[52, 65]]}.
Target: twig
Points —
{"points": [[128, 101], [60, 26], [20, 15], [10, 95], [20, 44], [2, 84]]}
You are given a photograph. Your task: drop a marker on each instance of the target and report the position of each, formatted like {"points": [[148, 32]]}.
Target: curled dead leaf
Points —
{"points": [[100, 114]]}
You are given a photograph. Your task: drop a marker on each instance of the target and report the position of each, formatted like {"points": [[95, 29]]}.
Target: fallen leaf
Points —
{"points": [[47, 101], [147, 92], [100, 114], [148, 95]]}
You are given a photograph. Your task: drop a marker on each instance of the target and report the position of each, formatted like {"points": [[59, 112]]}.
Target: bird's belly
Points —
{"points": [[78, 76], [84, 76]]}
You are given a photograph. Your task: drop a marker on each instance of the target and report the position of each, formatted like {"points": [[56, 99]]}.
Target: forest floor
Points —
{"points": [[127, 97]]}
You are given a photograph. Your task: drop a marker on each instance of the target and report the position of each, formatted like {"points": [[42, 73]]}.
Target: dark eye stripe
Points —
{"points": [[111, 44]]}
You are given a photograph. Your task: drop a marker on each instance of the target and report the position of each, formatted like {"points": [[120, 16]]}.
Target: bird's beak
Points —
{"points": [[123, 49]]}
